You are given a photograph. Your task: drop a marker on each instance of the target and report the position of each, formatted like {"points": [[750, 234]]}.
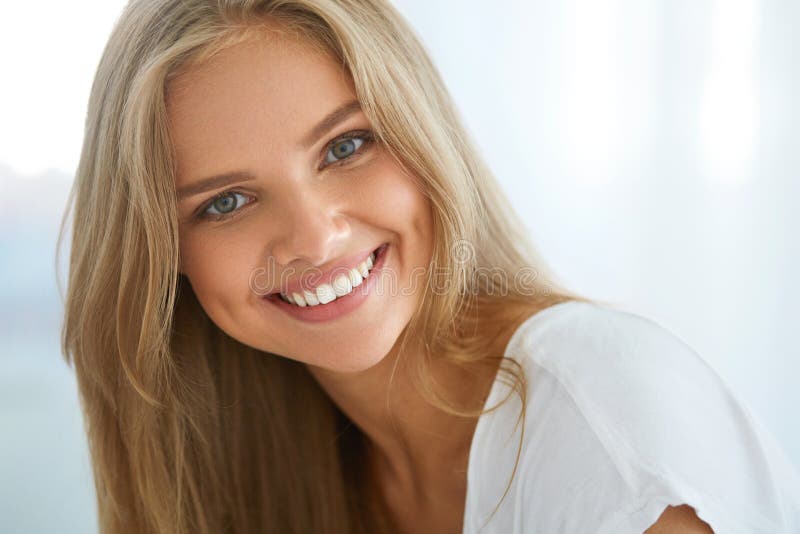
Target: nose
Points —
{"points": [[313, 230]]}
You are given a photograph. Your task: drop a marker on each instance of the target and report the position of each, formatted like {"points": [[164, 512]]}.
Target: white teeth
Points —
{"points": [[355, 277], [311, 298], [325, 293], [341, 285]]}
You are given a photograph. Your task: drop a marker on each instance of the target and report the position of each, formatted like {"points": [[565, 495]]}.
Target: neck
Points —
{"points": [[413, 445]]}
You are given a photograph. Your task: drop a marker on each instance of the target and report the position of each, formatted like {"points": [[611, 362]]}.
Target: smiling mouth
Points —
{"points": [[341, 286]]}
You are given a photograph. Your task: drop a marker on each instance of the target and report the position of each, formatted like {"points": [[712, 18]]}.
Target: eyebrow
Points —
{"points": [[213, 182], [326, 124], [332, 119]]}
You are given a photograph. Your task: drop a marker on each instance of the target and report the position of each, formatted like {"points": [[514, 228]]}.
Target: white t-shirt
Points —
{"points": [[623, 419]]}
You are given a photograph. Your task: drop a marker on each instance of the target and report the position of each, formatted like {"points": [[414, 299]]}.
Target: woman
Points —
{"points": [[295, 287]]}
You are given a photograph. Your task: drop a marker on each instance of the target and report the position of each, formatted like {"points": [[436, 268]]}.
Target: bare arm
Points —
{"points": [[679, 520]]}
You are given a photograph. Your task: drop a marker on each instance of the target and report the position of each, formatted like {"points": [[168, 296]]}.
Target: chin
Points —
{"points": [[348, 365], [351, 358]]}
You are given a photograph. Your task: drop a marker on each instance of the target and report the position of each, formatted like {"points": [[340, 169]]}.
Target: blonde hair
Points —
{"points": [[189, 430]]}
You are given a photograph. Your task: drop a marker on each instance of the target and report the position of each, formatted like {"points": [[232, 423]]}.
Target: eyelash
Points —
{"points": [[366, 136]]}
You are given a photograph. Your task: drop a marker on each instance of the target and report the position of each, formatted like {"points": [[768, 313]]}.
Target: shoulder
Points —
{"points": [[672, 428], [596, 334], [639, 388], [608, 357]]}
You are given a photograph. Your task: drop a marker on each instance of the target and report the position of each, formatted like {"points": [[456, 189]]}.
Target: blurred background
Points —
{"points": [[651, 146]]}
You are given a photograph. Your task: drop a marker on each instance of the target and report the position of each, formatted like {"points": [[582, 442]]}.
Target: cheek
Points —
{"points": [[397, 199], [215, 270]]}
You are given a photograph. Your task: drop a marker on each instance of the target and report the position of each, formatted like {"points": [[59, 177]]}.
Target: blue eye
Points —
{"points": [[225, 204], [343, 148]]}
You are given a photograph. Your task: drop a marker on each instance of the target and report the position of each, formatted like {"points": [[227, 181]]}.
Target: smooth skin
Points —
{"points": [[679, 520], [251, 110]]}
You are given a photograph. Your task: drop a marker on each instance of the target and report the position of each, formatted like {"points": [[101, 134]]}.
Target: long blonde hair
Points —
{"points": [[189, 430]]}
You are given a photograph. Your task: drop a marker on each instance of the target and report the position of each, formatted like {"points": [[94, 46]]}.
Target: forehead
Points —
{"points": [[263, 94]]}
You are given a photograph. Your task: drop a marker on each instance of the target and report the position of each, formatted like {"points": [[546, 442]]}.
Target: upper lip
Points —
{"points": [[312, 277]]}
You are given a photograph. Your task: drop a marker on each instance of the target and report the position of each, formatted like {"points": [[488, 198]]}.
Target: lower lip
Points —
{"points": [[342, 305]]}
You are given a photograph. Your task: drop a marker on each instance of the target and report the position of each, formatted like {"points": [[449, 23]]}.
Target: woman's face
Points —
{"points": [[304, 204]]}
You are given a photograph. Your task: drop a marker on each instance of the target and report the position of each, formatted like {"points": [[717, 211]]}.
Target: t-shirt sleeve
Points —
{"points": [[674, 430]]}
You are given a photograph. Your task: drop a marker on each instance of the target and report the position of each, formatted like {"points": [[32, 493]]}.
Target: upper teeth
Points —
{"points": [[340, 286]]}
